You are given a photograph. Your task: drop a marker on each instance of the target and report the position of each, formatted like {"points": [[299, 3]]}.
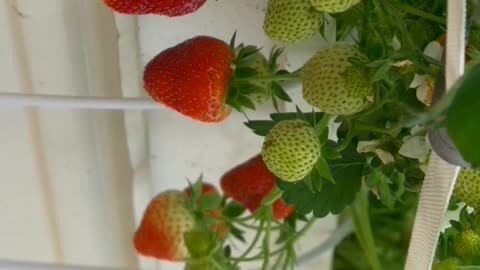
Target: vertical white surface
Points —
{"points": [[66, 192]]}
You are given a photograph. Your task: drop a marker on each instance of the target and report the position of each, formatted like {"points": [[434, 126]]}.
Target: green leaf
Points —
{"points": [[237, 233], [464, 216], [330, 153], [275, 104], [324, 136], [333, 198], [323, 170], [232, 40], [246, 102], [457, 225], [379, 181], [462, 117], [210, 202], [386, 195], [300, 114], [272, 61], [278, 91], [235, 104], [197, 189], [245, 72], [277, 117], [260, 127], [233, 210], [246, 56], [317, 182], [307, 180]]}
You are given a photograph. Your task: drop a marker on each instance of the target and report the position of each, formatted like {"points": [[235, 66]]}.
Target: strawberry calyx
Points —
{"points": [[253, 75]]}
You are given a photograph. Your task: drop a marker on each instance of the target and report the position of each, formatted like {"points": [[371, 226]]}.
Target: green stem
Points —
{"points": [[279, 259], [266, 247], [268, 78], [279, 250], [365, 127], [215, 263], [425, 15], [249, 226], [363, 229], [252, 245], [247, 218]]}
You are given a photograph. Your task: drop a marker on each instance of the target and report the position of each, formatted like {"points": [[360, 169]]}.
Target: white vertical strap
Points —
{"points": [[440, 178]]}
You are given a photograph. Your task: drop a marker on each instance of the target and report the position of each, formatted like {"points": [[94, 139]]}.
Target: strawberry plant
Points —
{"points": [[361, 153]]}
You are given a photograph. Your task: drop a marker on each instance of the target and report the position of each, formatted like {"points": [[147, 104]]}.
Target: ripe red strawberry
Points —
{"points": [[203, 78], [166, 220], [160, 234], [249, 183], [171, 8], [192, 78]]}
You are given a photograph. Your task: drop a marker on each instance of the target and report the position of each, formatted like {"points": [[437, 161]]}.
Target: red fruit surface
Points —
{"points": [[171, 8], [160, 234], [249, 183], [192, 78]]}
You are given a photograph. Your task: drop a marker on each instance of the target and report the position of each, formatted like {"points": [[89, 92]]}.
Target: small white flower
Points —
{"points": [[425, 83], [372, 146], [415, 147], [367, 146], [384, 156]]}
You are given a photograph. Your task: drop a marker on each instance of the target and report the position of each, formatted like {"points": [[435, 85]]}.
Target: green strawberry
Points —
{"points": [[467, 188], [334, 85], [290, 21], [333, 6], [448, 264], [467, 243], [291, 149]]}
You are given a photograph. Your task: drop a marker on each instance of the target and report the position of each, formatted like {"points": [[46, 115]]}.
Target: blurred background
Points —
{"points": [[74, 183]]}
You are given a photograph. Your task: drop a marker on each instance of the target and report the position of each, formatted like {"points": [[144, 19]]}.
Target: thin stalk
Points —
{"points": [[279, 250], [266, 247], [249, 226], [215, 263], [279, 259], [252, 245], [363, 230], [422, 14], [365, 127]]}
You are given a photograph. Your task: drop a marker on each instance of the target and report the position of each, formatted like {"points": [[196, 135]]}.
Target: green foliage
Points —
{"points": [[332, 198], [462, 116]]}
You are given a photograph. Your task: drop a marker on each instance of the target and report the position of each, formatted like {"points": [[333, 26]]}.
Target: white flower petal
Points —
{"points": [[403, 63], [415, 147], [396, 45], [434, 50], [384, 156], [367, 146], [418, 130], [423, 94], [418, 80]]}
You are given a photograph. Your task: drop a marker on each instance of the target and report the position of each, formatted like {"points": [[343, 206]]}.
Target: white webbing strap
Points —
{"points": [[440, 178]]}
